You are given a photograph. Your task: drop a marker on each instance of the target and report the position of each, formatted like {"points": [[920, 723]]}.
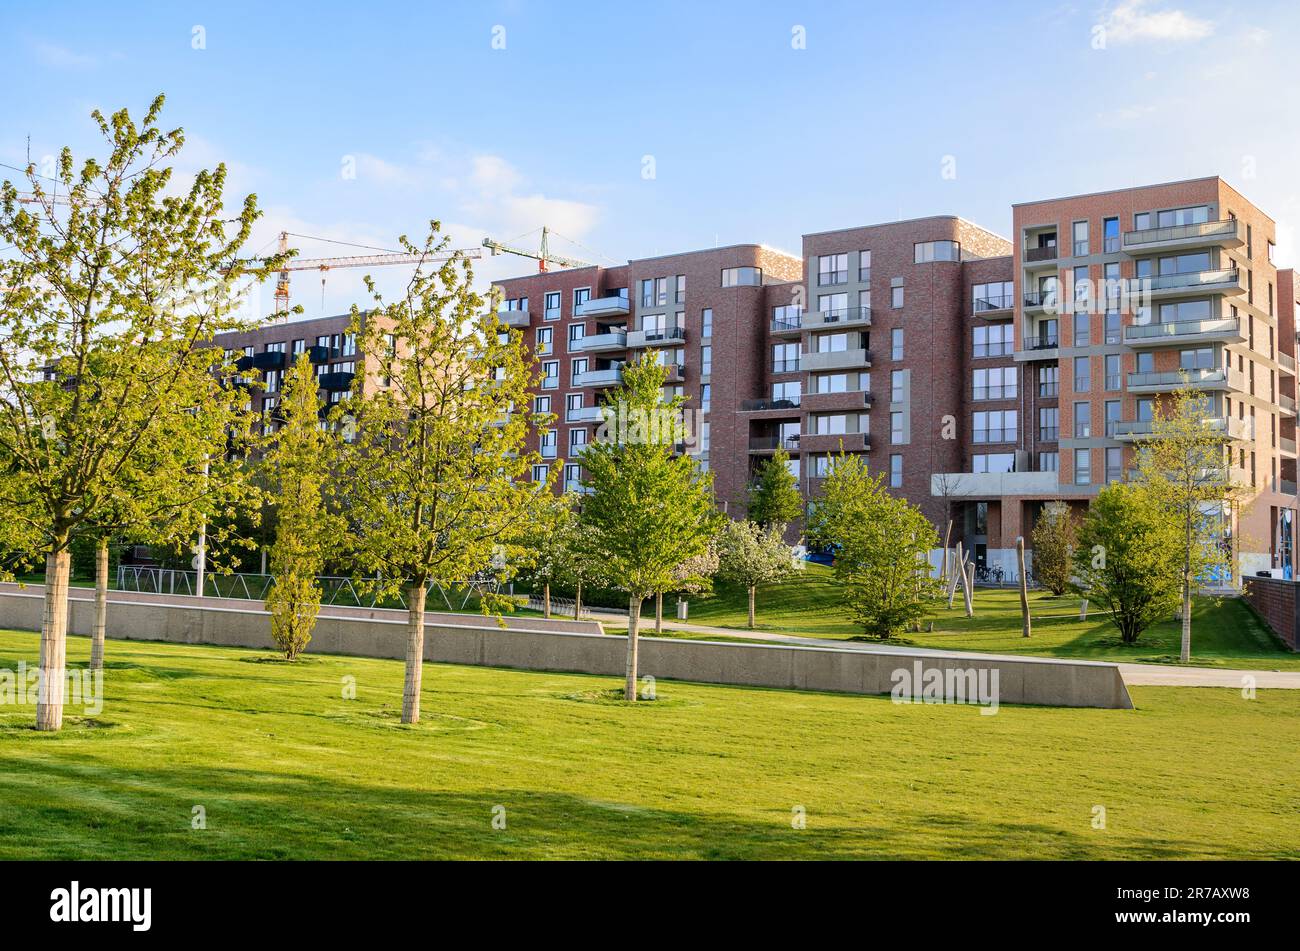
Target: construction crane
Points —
{"points": [[324, 265], [543, 254]]}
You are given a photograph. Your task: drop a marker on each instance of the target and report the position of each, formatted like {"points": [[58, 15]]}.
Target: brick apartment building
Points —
{"points": [[1007, 374], [985, 376]]}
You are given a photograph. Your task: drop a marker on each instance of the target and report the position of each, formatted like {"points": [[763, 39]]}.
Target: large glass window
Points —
{"points": [[832, 269], [995, 426], [996, 383], [997, 295], [742, 276], [993, 340], [926, 251]]}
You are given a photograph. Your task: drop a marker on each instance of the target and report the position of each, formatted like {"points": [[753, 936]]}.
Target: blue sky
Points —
{"points": [[751, 134]]}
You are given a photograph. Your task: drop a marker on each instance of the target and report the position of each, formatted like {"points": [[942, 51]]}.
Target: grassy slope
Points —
{"points": [[286, 768], [1225, 633]]}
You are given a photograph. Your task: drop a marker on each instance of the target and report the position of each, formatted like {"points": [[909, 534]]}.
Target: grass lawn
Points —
{"points": [[1225, 632], [286, 768]]}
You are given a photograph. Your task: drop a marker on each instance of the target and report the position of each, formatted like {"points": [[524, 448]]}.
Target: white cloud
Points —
{"points": [[1130, 21], [60, 57]]}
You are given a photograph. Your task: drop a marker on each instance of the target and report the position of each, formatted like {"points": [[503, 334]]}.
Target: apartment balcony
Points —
{"points": [[1038, 257], [1131, 430], [847, 318], [1184, 332], [1227, 281], [611, 376], [769, 405], [996, 306], [611, 340], [616, 306], [761, 444], [515, 318], [1225, 233], [322, 354], [1285, 446], [1288, 405], [845, 400], [663, 337], [1044, 347], [832, 442], [1037, 302], [787, 327], [837, 360], [337, 380], [993, 485], [585, 414], [1213, 379], [271, 360], [1286, 362]]}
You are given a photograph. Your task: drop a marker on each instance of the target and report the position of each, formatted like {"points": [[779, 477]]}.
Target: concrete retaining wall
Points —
{"points": [[1027, 680]]}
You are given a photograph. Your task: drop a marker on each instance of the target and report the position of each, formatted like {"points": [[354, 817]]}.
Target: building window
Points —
{"points": [[580, 296], [681, 289], [897, 386], [832, 269], [706, 393], [896, 297], [1111, 410], [1081, 374], [896, 471], [864, 267], [572, 406], [1082, 420], [576, 333], [993, 462], [572, 477], [1082, 467], [997, 383], [577, 439], [1114, 378], [544, 340], [541, 405], [704, 437], [551, 375], [832, 303], [1049, 461], [1080, 232], [1194, 215], [577, 368], [1049, 424], [706, 322], [540, 472], [995, 426], [706, 360], [785, 357], [896, 343], [896, 435], [552, 305], [993, 340], [1110, 235], [549, 442], [742, 276], [927, 251]]}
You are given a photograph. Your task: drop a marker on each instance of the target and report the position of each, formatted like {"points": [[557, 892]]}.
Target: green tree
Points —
{"points": [[1053, 542], [651, 509], [774, 497], [692, 576], [1128, 558], [434, 467], [882, 548], [112, 297], [306, 529], [1185, 466], [548, 545], [750, 555]]}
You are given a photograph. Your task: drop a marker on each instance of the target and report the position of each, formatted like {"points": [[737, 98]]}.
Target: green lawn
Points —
{"points": [[285, 768], [1225, 632]]}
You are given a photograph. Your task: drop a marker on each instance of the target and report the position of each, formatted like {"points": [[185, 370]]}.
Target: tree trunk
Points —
{"points": [[263, 559], [659, 614], [943, 569], [101, 605], [1185, 654], [751, 606], [546, 600], [633, 622], [414, 653], [577, 603], [54, 642]]}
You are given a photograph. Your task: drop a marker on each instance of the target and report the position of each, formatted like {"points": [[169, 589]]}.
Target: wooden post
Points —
{"points": [[1083, 610], [968, 587], [947, 535], [1024, 586]]}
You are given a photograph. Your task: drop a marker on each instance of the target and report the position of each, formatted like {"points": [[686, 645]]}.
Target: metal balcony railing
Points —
{"points": [[1226, 227]]}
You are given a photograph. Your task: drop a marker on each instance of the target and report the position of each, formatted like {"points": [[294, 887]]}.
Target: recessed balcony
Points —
{"points": [[1225, 233], [1037, 302], [585, 414], [1039, 257], [611, 340], [657, 337], [837, 360], [1183, 332], [768, 405], [848, 317], [786, 327], [1227, 281], [761, 444], [1210, 380], [846, 400], [1285, 446], [616, 306], [1286, 362], [833, 442], [338, 380], [1288, 405], [1044, 347], [995, 306]]}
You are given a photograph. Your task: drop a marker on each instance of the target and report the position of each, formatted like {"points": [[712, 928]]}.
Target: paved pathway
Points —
{"points": [[1135, 675]]}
